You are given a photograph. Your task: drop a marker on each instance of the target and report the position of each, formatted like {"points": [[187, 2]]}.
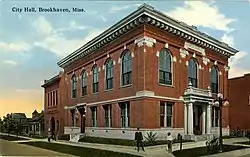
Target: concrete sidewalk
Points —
{"points": [[150, 151]]}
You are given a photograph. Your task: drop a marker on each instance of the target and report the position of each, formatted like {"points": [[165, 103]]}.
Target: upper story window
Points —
{"points": [[95, 79], [84, 83], [165, 67], [74, 86], [214, 80], [192, 72], [109, 74], [126, 68]]}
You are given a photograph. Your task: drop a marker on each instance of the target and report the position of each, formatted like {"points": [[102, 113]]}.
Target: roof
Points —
{"points": [[51, 81], [147, 14], [239, 77], [19, 116]]}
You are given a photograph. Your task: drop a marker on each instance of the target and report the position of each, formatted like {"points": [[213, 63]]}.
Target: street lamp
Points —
{"points": [[220, 100]]}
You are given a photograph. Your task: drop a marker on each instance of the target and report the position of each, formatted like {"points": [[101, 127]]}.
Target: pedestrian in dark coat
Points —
{"points": [[138, 139]]}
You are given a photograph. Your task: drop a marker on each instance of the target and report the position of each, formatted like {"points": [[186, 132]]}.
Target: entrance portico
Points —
{"points": [[197, 112]]}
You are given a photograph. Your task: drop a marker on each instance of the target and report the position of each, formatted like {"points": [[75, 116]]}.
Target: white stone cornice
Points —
{"points": [[183, 53], [145, 40], [226, 68]]}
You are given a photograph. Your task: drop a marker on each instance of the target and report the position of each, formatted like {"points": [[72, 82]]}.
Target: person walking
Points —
{"points": [[169, 142], [49, 134], [138, 139]]}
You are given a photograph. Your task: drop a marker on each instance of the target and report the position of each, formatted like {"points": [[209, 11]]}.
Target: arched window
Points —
{"points": [[95, 79], [74, 86], [109, 74], [192, 72], [84, 83], [126, 68], [214, 80], [165, 67]]}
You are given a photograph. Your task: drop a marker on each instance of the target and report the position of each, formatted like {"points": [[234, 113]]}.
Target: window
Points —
{"points": [[53, 98], [56, 98], [94, 116], [192, 72], [95, 79], [126, 68], [109, 74], [166, 114], [165, 65], [74, 86], [108, 111], [214, 80], [48, 101], [84, 83], [51, 103], [125, 114], [215, 116]]}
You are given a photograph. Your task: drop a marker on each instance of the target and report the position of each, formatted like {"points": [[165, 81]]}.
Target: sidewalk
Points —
{"points": [[150, 151]]}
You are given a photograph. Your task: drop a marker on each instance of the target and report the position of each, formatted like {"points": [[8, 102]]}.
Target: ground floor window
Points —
{"points": [[215, 116], [166, 114], [94, 116], [125, 114], [108, 111]]}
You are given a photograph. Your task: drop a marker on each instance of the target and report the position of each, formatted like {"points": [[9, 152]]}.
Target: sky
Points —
{"points": [[31, 44]]}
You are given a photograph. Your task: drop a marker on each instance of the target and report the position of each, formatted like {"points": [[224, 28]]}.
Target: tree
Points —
{"points": [[8, 123]]}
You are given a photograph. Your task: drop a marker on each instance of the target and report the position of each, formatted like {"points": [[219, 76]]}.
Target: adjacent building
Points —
{"points": [[36, 124], [239, 98], [147, 70]]}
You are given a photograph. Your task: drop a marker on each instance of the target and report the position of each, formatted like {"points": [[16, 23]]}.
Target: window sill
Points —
{"points": [[171, 86], [73, 98], [96, 93], [125, 86], [84, 96], [108, 90]]}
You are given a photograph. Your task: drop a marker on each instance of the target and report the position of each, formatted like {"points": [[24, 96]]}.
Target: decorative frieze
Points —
{"points": [[145, 40], [205, 60], [188, 45], [183, 53]]}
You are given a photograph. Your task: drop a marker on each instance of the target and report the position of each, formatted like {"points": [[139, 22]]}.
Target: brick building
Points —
{"points": [[239, 98], [148, 71]]}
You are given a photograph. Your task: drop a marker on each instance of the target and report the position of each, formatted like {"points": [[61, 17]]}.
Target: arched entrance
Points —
{"points": [[53, 125]]}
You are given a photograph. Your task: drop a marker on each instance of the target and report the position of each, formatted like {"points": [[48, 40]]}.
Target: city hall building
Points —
{"points": [[148, 71]]}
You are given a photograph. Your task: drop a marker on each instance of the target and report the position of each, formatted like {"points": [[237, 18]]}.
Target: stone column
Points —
{"points": [[203, 120], [185, 119], [209, 119], [190, 119]]}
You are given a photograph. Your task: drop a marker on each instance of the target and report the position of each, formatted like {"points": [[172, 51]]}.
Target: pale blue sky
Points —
{"points": [[31, 44]]}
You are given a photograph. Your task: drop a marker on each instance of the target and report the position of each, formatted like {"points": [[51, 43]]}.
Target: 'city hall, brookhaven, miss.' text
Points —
{"points": [[46, 9]]}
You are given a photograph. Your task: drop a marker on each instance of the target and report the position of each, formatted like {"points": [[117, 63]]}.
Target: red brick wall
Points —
{"points": [[144, 77], [239, 91]]}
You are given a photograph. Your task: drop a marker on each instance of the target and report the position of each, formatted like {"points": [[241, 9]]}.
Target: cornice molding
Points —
{"points": [[146, 14]]}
